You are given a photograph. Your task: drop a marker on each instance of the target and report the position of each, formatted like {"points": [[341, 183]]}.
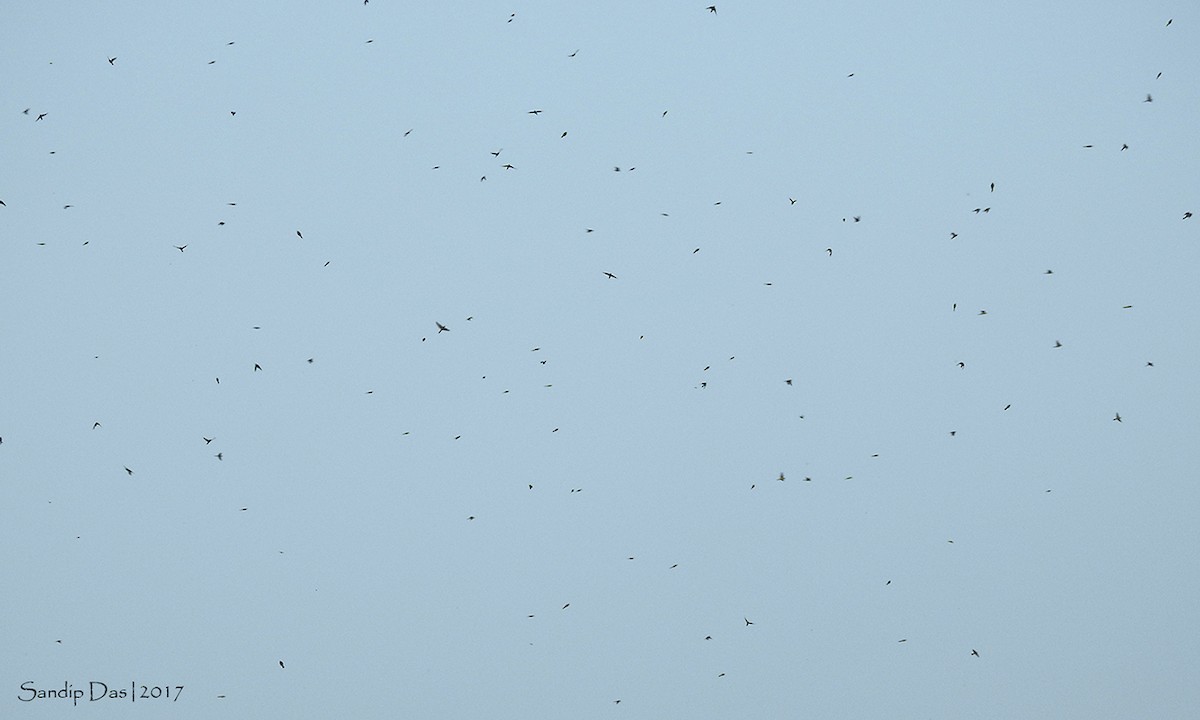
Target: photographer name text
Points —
{"points": [[97, 691]]}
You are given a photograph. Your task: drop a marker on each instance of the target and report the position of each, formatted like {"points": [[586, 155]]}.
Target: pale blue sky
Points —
{"points": [[649, 411]]}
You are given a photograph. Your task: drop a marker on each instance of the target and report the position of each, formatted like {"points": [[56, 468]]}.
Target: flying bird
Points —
{"points": [[179, 247], [712, 9], [1186, 215], [127, 470], [441, 328], [974, 652], [280, 663], [1117, 417], [299, 235], [257, 367], [610, 276], [534, 112], [207, 440], [39, 117], [748, 623], [112, 61], [1057, 344], [1148, 98]]}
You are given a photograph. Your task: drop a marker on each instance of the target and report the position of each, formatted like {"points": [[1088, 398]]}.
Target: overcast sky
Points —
{"points": [[784, 355]]}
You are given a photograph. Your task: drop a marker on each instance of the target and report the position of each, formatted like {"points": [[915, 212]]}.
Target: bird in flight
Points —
{"points": [[1117, 417], [748, 623], [534, 112], [299, 235], [1148, 98], [1186, 215], [974, 652], [610, 276], [179, 247], [207, 440], [95, 425], [280, 663], [39, 117], [1057, 344], [441, 328], [712, 9], [257, 367], [127, 470], [112, 61]]}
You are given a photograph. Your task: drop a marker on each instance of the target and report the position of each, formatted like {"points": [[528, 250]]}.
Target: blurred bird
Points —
{"points": [[441, 328]]}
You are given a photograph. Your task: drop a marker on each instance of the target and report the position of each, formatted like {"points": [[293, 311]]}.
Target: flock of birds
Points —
{"points": [[439, 325]]}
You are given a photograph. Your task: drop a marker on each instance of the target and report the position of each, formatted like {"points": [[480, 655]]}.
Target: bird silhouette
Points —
{"points": [[112, 61], [128, 471], [441, 328], [748, 623], [257, 367], [974, 652], [180, 248], [712, 9], [207, 440], [1117, 417], [40, 117], [299, 235], [1148, 98], [610, 276]]}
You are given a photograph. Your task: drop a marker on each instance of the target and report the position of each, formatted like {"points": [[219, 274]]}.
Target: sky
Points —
{"points": [[799, 360]]}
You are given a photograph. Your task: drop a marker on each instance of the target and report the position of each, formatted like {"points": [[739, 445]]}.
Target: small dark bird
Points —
{"points": [[299, 235], [219, 456], [1186, 215], [1149, 364], [610, 276], [1148, 98], [1169, 22], [207, 440], [497, 153], [792, 200], [857, 218], [39, 117], [983, 312], [712, 9], [573, 54], [534, 112], [560, 137], [953, 235], [257, 367], [280, 663], [564, 607], [993, 187], [781, 478], [974, 652], [1124, 147], [127, 470], [748, 623], [179, 247], [830, 251], [26, 111], [1057, 344], [1117, 417], [95, 425], [953, 433], [1087, 146], [233, 113], [962, 365], [508, 167], [788, 381], [112, 61], [1048, 272], [441, 328]]}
